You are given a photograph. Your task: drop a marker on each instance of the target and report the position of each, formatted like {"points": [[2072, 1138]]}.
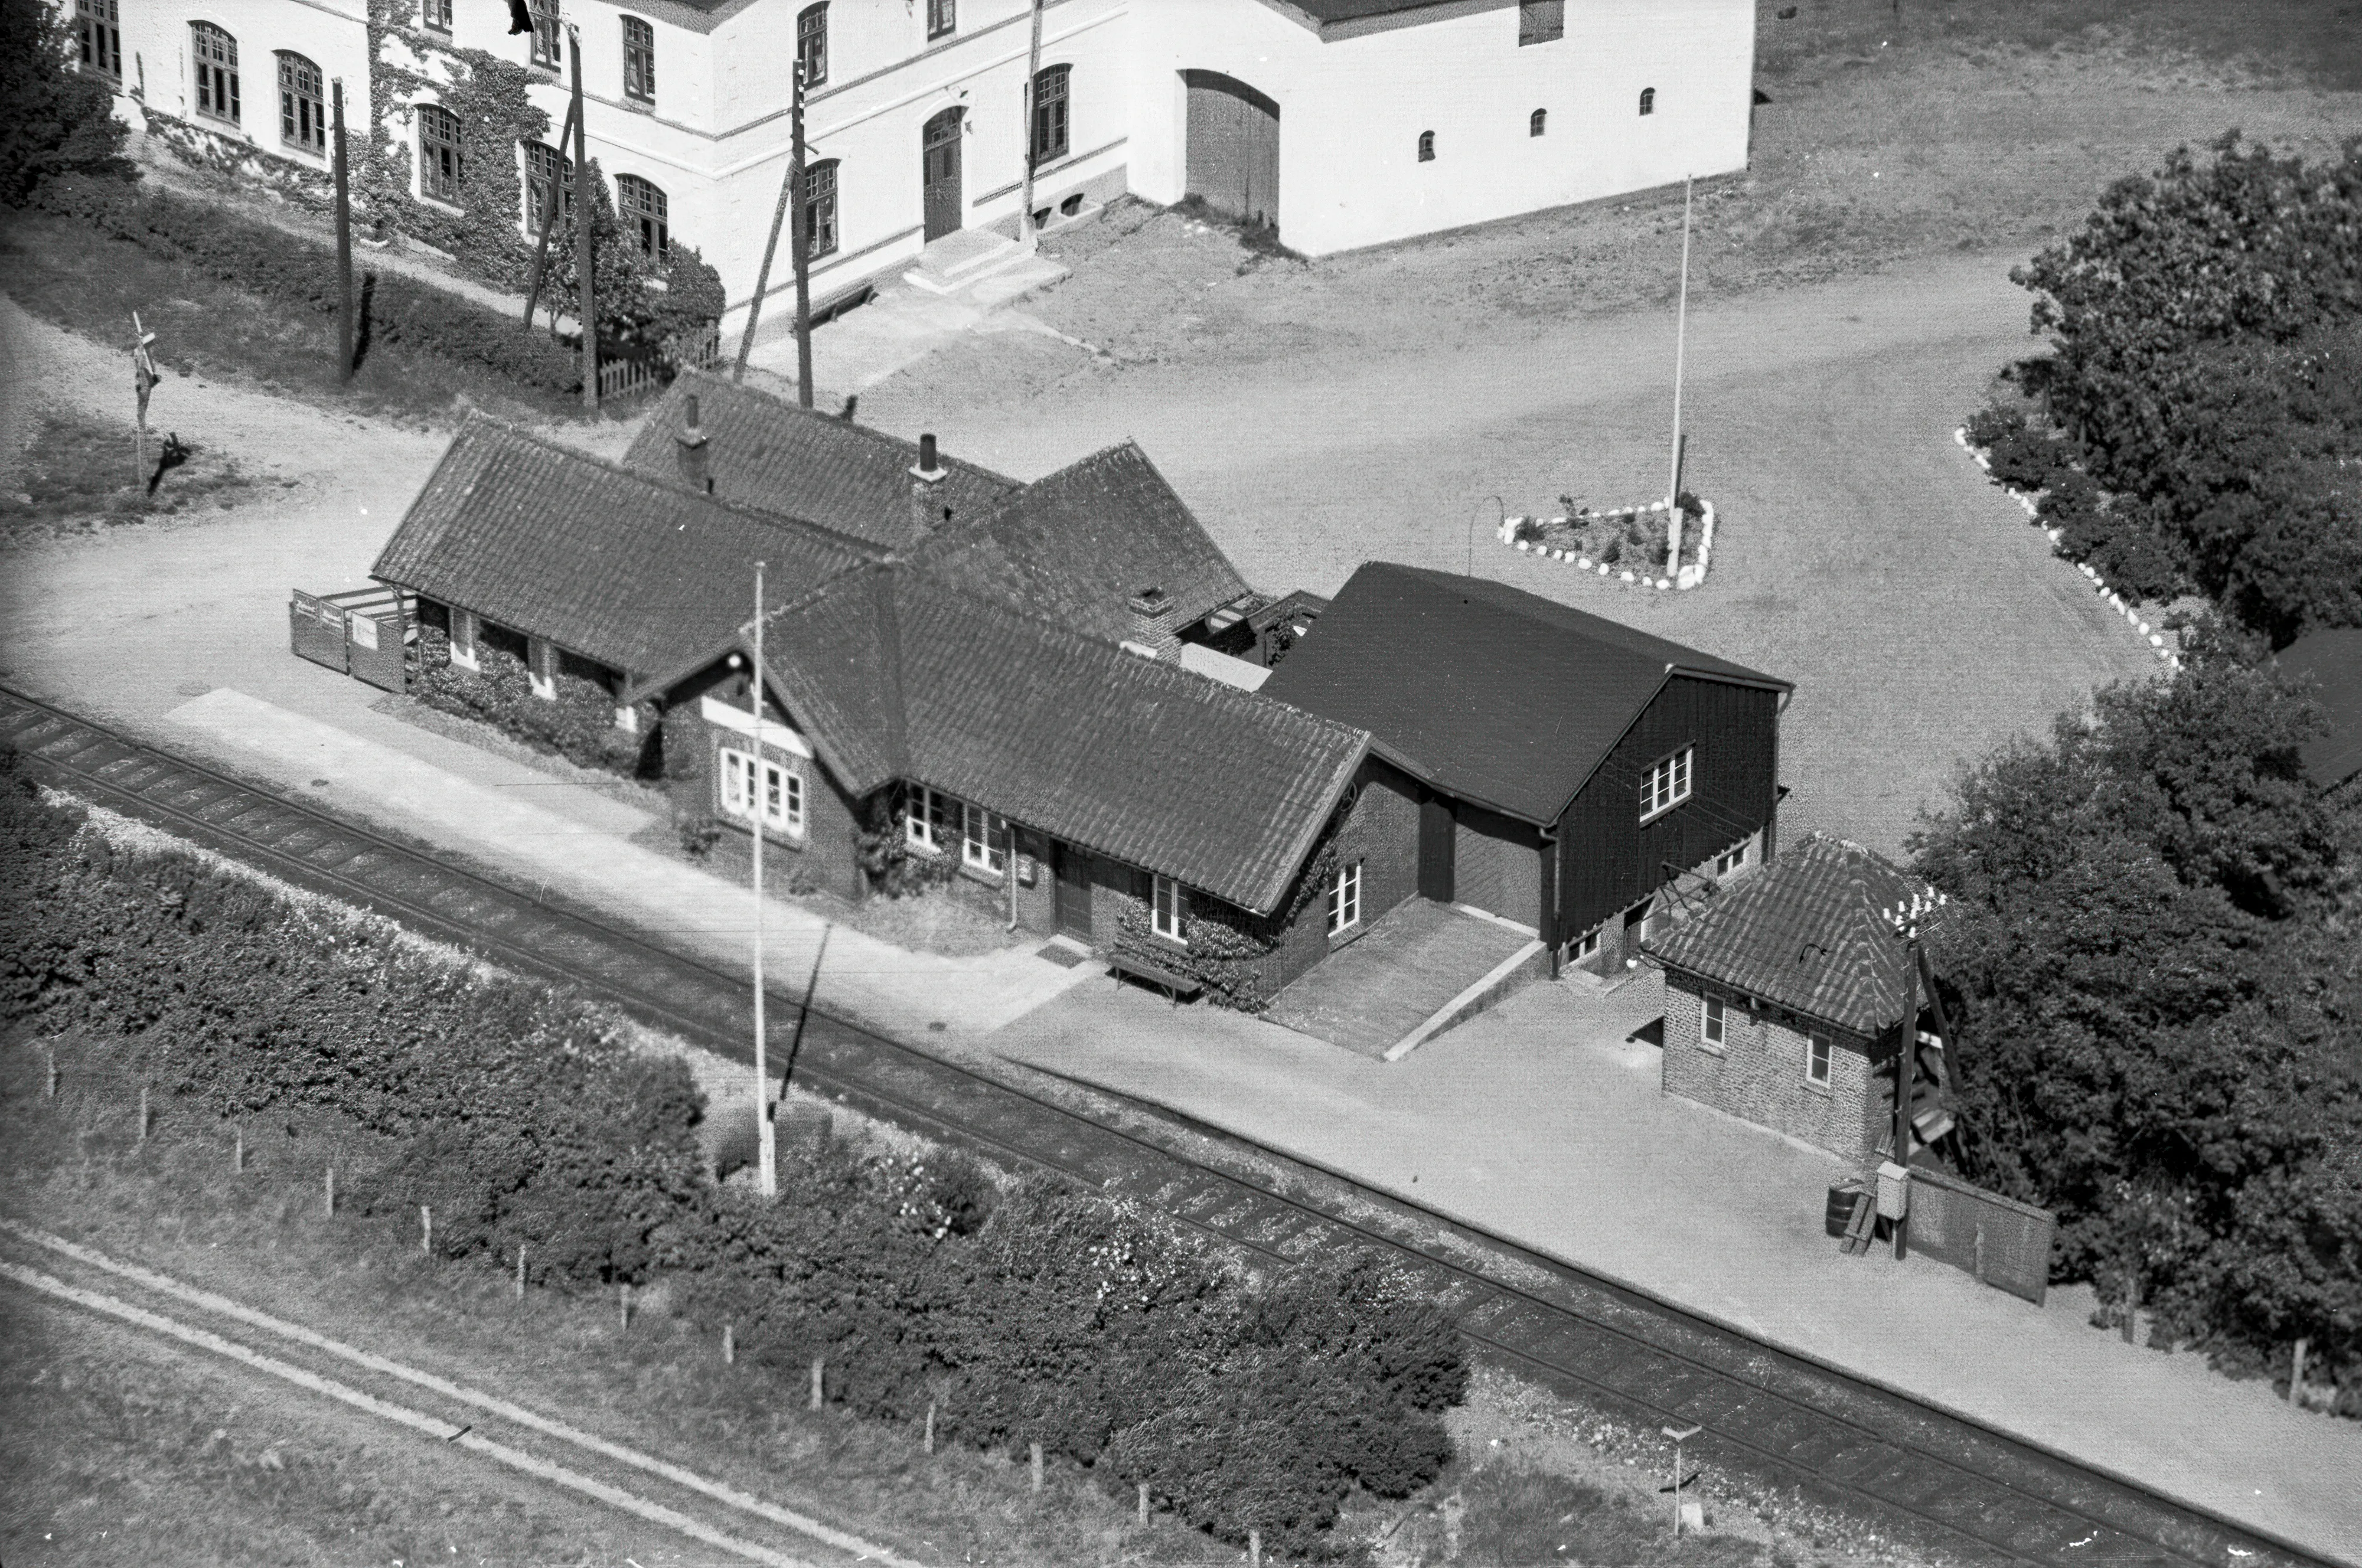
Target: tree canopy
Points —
{"points": [[53, 119]]}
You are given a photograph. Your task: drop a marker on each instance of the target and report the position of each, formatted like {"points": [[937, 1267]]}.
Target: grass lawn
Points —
{"points": [[69, 274], [77, 474]]}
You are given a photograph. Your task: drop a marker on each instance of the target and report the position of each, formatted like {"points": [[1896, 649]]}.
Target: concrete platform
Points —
{"points": [[1419, 968]]}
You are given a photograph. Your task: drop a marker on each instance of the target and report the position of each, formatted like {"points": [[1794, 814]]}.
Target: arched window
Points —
{"points": [[98, 28], [1050, 113], [642, 208], [440, 168], [543, 13], [1427, 147], [819, 207], [639, 60], [1648, 100], [811, 43], [1537, 122], [303, 116], [217, 61], [548, 185]]}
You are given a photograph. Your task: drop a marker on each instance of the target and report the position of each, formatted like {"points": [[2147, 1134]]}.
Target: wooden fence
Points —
{"points": [[629, 375], [2004, 1242]]}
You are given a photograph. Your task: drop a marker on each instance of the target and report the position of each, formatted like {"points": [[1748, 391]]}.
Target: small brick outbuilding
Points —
{"points": [[1784, 994]]}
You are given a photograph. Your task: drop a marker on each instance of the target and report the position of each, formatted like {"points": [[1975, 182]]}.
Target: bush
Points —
{"points": [[580, 726], [1051, 1314], [53, 119], [303, 276]]}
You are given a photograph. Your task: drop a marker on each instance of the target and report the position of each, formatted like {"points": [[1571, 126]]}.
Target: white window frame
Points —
{"points": [[1586, 947], [929, 817], [464, 630], [782, 787], [984, 840], [1668, 783], [1820, 1052], [1345, 898], [1730, 861], [1713, 1024], [1166, 908]]}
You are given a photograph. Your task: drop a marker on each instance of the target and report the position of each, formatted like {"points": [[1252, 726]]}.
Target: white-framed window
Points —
{"points": [[1712, 1024], [984, 840], [1588, 948], [1165, 907], [1346, 898], [1816, 1058], [930, 819], [812, 44], [436, 14], [1648, 100], [1667, 784], [548, 185], [1050, 121], [819, 207], [646, 213], [543, 13], [752, 784], [98, 33], [1730, 861], [943, 17], [441, 163], [639, 60], [1538, 123], [217, 61], [302, 106]]}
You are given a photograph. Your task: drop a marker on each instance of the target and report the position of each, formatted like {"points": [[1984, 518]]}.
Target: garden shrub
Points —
{"points": [[54, 120], [1050, 1313], [580, 726], [295, 272]]}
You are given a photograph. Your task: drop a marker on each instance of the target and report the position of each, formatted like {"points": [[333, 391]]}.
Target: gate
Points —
{"points": [[1233, 148], [359, 633], [2004, 1242]]}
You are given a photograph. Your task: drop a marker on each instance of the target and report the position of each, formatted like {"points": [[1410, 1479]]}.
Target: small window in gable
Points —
{"points": [[1667, 784]]}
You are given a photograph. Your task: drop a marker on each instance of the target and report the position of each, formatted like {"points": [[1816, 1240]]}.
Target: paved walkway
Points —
{"points": [[574, 841], [1413, 961], [1540, 1122]]}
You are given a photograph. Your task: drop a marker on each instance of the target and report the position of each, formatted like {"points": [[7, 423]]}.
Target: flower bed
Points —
{"points": [[1624, 543], [2022, 488]]}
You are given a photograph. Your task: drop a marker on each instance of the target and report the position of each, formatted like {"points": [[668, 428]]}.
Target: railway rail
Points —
{"points": [[1927, 1476]]}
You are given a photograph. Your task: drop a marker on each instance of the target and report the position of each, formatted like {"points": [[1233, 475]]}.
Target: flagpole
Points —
{"points": [[1680, 344], [766, 1145]]}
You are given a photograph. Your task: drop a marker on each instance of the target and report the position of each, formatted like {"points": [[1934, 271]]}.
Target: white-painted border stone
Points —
{"points": [[2032, 505], [1512, 533]]}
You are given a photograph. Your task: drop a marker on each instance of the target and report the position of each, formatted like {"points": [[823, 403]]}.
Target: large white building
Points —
{"points": [[1346, 123]]}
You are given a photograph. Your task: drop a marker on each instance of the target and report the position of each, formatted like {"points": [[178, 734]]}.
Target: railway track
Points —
{"points": [[1927, 1477]]}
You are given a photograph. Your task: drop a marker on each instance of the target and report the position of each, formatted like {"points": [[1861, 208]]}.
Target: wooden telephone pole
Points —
{"points": [[344, 239], [766, 1164], [586, 213], [1025, 235], [789, 211]]}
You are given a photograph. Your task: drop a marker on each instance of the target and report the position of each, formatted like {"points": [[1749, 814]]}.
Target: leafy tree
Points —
{"points": [[53, 119], [662, 301]]}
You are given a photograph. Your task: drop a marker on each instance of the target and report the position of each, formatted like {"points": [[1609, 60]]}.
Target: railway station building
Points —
{"points": [[1061, 702]]}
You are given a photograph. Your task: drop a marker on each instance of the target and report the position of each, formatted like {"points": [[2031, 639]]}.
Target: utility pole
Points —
{"points": [[552, 200], [1025, 235], [1907, 1050], [344, 241], [800, 240], [586, 211], [788, 184], [766, 1167]]}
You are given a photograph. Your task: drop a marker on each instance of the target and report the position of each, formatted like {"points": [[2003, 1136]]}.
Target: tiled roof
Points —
{"points": [[1487, 692], [2334, 659], [1806, 932], [897, 674], [626, 570], [766, 453], [1075, 545]]}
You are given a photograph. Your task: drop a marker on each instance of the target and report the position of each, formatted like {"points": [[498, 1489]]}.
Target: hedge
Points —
{"points": [[1051, 1314], [579, 724], [295, 272]]}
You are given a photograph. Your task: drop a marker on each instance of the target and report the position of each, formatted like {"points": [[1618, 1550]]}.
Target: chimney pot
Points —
{"points": [[928, 469], [691, 434]]}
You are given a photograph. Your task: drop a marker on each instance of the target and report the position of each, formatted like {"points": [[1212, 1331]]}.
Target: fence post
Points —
{"points": [[819, 1368], [237, 1152], [143, 1113], [425, 1231], [623, 1301], [1037, 1466], [1142, 1509], [520, 1285], [332, 1189], [729, 1346], [1255, 1548], [2296, 1373], [53, 1072], [930, 1427]]}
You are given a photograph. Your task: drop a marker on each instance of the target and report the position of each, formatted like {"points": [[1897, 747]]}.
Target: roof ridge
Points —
{"points": [[865, 432], [764, 515]]}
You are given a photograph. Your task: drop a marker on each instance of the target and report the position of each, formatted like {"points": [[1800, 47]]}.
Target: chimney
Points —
{"points": [[1151, 631], [691, 438], [923, 479]]}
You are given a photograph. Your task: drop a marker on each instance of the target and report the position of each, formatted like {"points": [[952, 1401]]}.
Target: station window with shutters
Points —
{"points": [[642, 208], [1541, 21], [216, 62], [1050, 113], [755, 788], [820, 208], [548, 179], [440, 167], [303, 116], [943, 17], [639, 60], [543, 13], [98, 36], [811, 43], [1667, 784]]}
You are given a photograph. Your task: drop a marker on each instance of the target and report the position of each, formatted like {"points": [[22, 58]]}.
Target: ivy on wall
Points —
{"points": [[1226, 947]]}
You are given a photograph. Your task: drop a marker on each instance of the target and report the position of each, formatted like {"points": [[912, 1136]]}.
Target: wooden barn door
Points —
{"points": [[1233, 147], [939, 171]]}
